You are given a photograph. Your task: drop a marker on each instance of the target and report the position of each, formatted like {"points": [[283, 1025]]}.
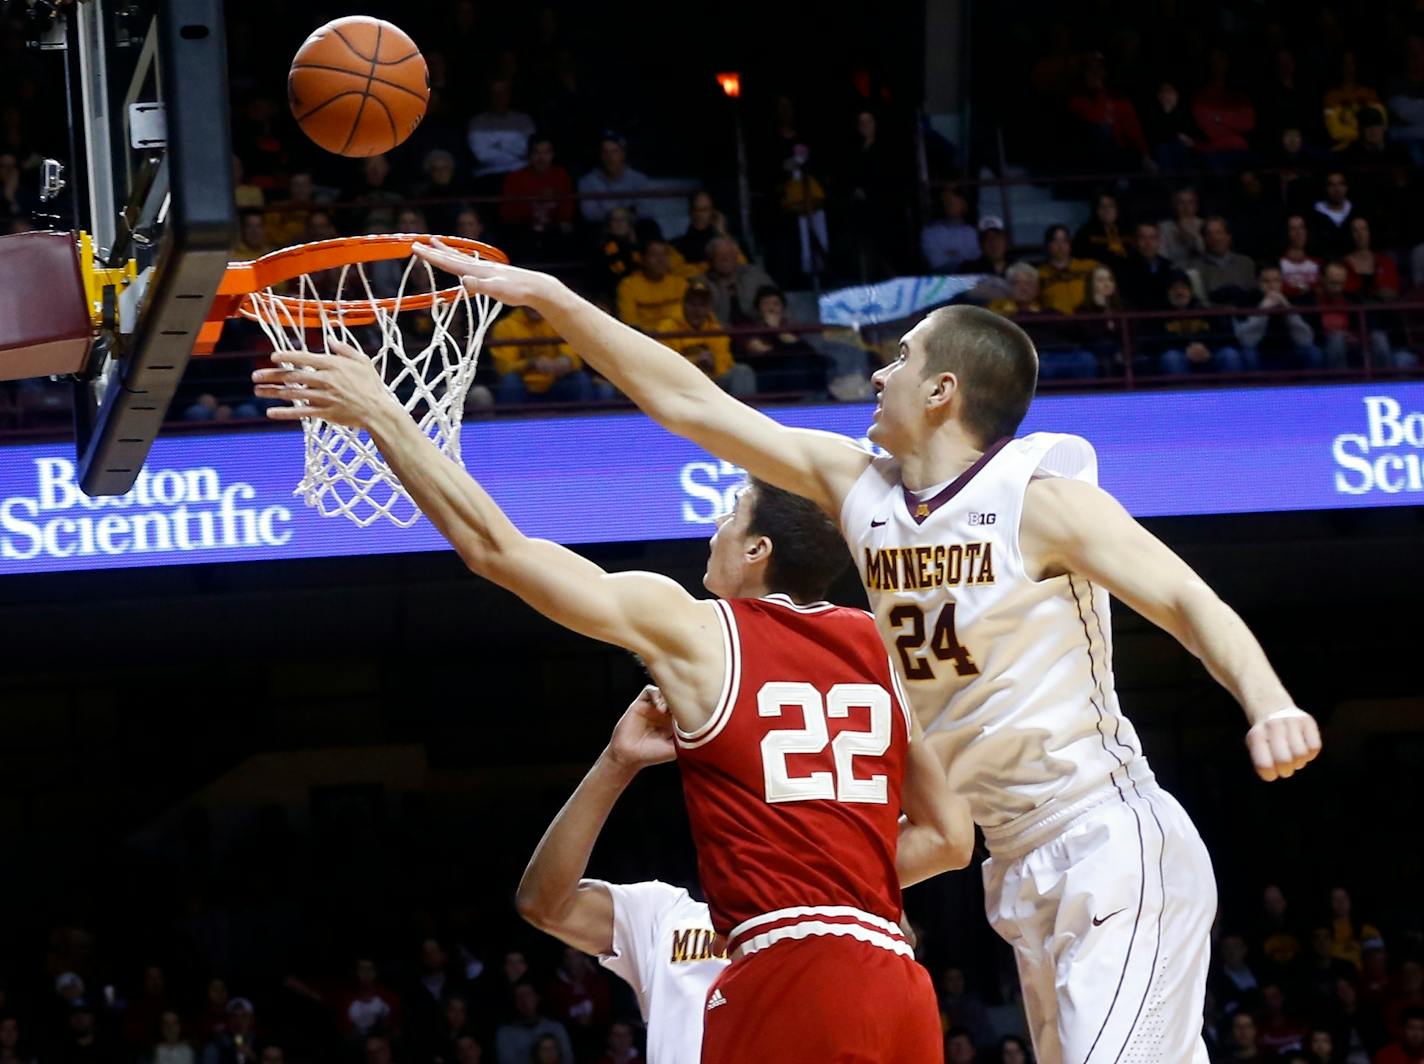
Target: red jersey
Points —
{"points": [[793, 783]]}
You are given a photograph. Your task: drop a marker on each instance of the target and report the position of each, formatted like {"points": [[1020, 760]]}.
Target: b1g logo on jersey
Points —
{"points": [[982, 519]]}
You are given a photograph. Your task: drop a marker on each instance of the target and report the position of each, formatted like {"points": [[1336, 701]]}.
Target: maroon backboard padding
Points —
{"points": [[44, 312]]}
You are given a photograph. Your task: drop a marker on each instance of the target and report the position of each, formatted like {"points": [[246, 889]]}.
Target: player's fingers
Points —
{"points": [[343, 349], [1300, 751], [290, 413], [1260, 748], [1312, 737], [1280, 747], [301, 359]]}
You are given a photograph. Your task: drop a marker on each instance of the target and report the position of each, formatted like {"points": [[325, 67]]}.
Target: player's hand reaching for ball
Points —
{"points": [[643, 735], [341, 387], [1283, 743], [511, 285]]}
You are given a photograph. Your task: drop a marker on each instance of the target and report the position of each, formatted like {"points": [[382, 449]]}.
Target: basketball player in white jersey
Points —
{"points": [[989, 562]]}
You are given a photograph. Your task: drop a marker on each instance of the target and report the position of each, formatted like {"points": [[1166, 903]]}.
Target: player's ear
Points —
{"points": [[758, 550], [943, 392]]}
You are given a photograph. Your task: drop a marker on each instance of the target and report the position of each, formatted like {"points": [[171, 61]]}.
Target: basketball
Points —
{"points": [[358, 86]]}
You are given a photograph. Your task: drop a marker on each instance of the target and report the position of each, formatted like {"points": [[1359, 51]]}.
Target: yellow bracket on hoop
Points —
{"points": [[98, 278]]}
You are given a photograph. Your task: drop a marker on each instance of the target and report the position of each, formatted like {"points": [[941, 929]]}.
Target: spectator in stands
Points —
{"points": [[961, 1008], [1373, 148], [369, 1007], [499, 135], [712, 353], [441, 180], [1190, 342], [140, 1016], [540, 194], [1014, 1050], [783, 361], [1101, 238], [1295, 162], [1115, 138], [876, 205], [287, 220], [1256, 218], [234, 1043], [611, 184], [1225, 116], [1170, 130], [1182, 233], [993, 260], [652, 292], [1300, 270], [378, 1050], [1349, 933], [1278, 1030], [616, 255], [319, 227], [1227, 277], [1409, 1048], [1405, 994], [949, 241], [536, 372], [1345, 103], [1243, 1044], [374, 198], [214, 1015], [1143, 278], [621, 1048], [579, 997], [734, 281], [171, 1047], [247, 196], [468, 1050], [1406, 100], [801, 240], [959, 1047], [251, 237], [1373, 275], [1101, 336], [1276, 341], [1332, 216], [84, 1042], [704, 224], [1059, 357], [1233, 983], [12, 1049], [1276, 931], [548, 1051], [469, 224], [1341, 345], [515, 1041], [1062, 278], [454, 1024], [1319, 1046], [1285, 102]]}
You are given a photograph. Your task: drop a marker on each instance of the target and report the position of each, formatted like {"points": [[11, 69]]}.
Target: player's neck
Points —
{"points": [[943, 456]]}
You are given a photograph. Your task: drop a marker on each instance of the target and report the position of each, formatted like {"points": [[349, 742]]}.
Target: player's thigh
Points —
{"points": [[1131, 935], [822, 1001]]}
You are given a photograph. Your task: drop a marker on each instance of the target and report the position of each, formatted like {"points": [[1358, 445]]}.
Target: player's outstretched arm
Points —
{"points": [[643, 612], [820, 466], [936, 832], [1072, 527], [553, 894]]}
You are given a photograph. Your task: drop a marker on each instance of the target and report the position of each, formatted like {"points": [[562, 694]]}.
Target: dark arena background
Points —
{"points": [[245, 755]]}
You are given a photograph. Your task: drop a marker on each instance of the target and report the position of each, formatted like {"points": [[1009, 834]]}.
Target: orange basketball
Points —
{"points": [[359, 86]]}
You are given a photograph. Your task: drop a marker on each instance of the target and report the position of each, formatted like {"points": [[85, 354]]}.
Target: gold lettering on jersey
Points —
{"points": [[921, 567], [696, 944]]}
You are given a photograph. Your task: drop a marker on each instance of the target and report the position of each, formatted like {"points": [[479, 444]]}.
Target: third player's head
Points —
{"points": [[962, 369], [774, 542]]}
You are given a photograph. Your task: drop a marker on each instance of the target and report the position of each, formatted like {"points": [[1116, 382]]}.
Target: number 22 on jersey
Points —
{"points": [[813, 737]]}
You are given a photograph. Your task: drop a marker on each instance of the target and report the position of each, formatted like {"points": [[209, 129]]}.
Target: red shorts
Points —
{"points": [[823, 1000]]}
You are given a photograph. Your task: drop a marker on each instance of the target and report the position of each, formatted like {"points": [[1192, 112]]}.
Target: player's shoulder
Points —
{"points": [[1056, 454], [648, 896]]}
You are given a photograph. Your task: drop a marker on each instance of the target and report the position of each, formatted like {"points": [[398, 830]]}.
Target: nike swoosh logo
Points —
{"points": [[1098, 921], [877, 524]]}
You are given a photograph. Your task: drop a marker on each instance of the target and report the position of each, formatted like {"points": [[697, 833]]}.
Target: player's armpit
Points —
{"points": [[583, 920]]}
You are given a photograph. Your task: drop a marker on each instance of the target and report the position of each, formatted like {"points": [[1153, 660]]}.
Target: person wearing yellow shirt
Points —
{"points": [[1063, 280], [653, 292], [536, 372], [713, 353]]}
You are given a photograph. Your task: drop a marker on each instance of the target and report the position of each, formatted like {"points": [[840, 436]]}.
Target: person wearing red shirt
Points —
{"points": [[1410, 1047], [1224, 115], [1121, 140], [523, 189]]}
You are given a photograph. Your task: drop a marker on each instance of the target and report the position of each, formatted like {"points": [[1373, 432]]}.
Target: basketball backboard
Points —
{"points": [[151, 185]]}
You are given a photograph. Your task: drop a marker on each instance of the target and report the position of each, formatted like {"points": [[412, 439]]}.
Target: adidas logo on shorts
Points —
{"points": [[715, 1000]]}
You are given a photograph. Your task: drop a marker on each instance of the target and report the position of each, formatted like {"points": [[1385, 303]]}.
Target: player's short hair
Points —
{"points": [[807, 551], [995, 362]]}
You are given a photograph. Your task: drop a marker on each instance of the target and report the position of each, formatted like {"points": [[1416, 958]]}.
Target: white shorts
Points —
{"points": [[1108, 905]]}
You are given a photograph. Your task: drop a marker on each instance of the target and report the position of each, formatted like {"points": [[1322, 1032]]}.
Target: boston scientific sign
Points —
{"points": [[223, 497]]}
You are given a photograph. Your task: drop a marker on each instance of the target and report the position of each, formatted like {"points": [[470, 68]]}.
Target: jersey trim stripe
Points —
{"points": [[817, 928], [920, 509], [811, 607], [903, 699], [815, 910], [731, 683]]}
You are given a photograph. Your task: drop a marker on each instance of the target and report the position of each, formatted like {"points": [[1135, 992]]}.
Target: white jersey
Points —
{"points": [[1013, 675], [665, 949]]}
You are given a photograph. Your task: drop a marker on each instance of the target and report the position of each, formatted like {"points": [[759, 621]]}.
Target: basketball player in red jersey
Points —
{"points": [[794, 738]]}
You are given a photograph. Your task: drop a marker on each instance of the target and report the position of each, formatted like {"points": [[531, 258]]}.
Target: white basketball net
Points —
{"points": [[345, 473]]}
